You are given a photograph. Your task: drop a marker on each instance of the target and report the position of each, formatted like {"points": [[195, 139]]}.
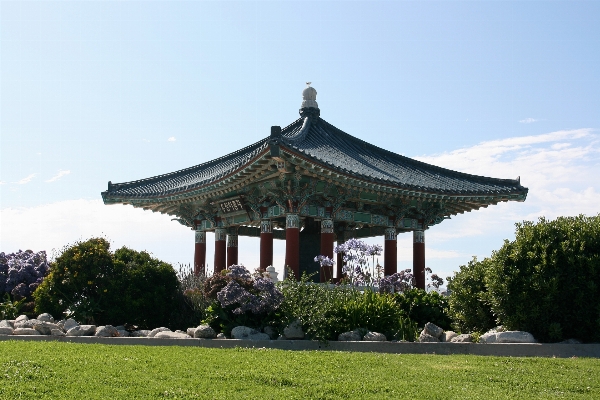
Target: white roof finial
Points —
{"points": [[309, 97]]}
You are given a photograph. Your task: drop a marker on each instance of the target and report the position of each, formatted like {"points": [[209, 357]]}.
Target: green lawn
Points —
{"points": [[34, 370]]}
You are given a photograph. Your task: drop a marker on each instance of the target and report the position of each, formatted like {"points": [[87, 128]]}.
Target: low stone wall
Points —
{"points": [[496, 349]]}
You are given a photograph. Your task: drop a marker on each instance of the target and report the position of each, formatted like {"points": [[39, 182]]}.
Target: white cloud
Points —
{"points": [[528, 120], [52, 226], [59, 175], [27, 179], [561, 170], [2, 182], [171, 139]]}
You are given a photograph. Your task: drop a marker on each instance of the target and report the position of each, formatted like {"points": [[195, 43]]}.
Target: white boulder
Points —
{"points": [[45, 328], [433, 330], [26, 331], [447, 336], [427, 338], [106, 331], [244, 332], [153, 332], [21, 318], [171, 335], [463, 338], [294, 331], [507, 337], [26, 323], [204, 332], [45, 317], [82, 330]]}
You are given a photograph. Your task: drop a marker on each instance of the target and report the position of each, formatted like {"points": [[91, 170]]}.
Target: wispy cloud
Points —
{"points": [[528, 120], [560, 169], [171, 139], [59, 175], [2, 182], [27, 179]]}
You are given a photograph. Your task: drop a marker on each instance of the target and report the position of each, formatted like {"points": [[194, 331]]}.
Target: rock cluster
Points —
{"points": [[433, 333], [44, 324], [358, 335]]}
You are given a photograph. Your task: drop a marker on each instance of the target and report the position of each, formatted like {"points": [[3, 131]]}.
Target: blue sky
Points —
{"points": [[122, 90]]}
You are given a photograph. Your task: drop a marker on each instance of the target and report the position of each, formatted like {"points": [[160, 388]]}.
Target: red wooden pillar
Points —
{"points": [[390, 252], [327, 248], [232, 249], [419, 256], [266, 244], [292, 244], [200, 253], [220, 250]]}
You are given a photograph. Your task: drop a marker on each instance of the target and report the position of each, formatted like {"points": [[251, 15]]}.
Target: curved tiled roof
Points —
{"points": [[189, 178], [322, 142], [316, 140]]}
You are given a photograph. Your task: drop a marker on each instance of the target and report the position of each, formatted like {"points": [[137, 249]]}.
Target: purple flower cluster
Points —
{"points": [[239, 272], [357, 267], [262, 298], [324, 261], [22, 272], [399, 282]]}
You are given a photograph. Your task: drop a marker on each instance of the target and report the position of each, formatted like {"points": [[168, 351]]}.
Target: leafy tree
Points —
{"points": [[89, 283], [547, 281]]}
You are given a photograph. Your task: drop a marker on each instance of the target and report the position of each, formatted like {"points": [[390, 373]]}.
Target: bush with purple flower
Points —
{"points": [[400, 282], [22, 272], [241, 299]]}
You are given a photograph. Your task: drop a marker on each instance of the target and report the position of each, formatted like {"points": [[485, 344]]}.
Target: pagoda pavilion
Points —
{"points": [[311, 185]]}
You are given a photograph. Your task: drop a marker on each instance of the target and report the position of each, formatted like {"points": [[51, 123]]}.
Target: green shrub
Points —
{"points": [[422, 307], [90, 284], [10, 309], [316, 306], [469, 309], [372, 311], [326, 310], [150, 288], [547, 281]]}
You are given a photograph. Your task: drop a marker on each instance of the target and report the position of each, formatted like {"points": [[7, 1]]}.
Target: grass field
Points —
{"points": [[37, 370]]}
